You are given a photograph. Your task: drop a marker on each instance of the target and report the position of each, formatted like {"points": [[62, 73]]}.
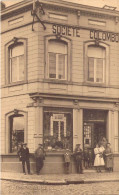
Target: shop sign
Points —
{"points": [[104, 36], [58, 116], [66, 30]]}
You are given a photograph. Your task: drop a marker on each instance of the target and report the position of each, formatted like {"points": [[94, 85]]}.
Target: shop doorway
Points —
{"points": [[94, 130]]}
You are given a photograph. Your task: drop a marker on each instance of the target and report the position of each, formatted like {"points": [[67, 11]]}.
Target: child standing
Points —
{"points": [[67, 159]]}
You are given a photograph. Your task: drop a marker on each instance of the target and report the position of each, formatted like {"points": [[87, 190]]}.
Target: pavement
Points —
{"points": [[62, 179]]}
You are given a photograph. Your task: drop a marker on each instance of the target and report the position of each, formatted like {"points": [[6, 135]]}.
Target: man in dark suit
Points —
{"points": [[24, 157], [39, 156], [78, 158]]}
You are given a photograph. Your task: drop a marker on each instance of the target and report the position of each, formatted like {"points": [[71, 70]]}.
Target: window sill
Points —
{"points": [[94, 84], [15, 84], [56, 81]]}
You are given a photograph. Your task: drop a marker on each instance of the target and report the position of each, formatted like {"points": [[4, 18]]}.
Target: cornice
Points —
{"points": [[27, 4], [74, 97]]}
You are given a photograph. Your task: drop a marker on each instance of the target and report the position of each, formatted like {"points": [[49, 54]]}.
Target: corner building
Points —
{"points": [[60, 80]]}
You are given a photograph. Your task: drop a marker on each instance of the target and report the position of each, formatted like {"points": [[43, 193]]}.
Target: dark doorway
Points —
{"points": [[94, 129]]}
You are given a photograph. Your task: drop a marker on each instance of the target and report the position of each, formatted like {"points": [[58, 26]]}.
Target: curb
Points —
{"points": [[99, 181], [45, 182], [63, 182]]}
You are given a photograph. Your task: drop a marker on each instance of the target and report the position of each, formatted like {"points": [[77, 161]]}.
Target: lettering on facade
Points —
{"points": [[66, 30], [104, 36]]}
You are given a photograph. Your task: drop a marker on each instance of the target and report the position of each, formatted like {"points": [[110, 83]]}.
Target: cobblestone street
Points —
{"points": [[19, 188]]}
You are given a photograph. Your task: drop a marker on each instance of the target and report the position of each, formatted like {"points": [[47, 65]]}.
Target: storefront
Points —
{"points": [[60, 84]]}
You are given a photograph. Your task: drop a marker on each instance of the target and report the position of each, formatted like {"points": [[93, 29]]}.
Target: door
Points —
{"points": [[88, 135], [93, 132]]}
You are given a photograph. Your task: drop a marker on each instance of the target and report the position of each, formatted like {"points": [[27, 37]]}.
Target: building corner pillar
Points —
{"points": [[116, 131], [38, 135], [113, 130], [77, 127]]}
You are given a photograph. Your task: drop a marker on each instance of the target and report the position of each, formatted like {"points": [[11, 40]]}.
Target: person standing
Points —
{"points": [[24, 157], [67, 159], [99, 161], [39, 156], [78, 158], [108, 158], [86, 158]]}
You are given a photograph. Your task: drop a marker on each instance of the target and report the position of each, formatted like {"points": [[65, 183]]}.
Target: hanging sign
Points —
{"points": [[104, 36], [66, 30]]}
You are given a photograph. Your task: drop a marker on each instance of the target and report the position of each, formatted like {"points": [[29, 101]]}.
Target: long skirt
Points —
{"points": [[109, 162], [99, 161]]}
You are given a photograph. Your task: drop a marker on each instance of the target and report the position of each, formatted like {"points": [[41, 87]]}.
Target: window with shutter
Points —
{"points": [[16, 63], [96, 64], [57, 59]]}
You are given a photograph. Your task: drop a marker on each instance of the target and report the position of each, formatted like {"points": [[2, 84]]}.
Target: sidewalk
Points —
{"points": [[62, 179]]}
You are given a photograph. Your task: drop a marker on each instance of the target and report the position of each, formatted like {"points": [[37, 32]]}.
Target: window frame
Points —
{"points": [[57, 66], [68, 71], [95, 70], [14, 42], [7, 127], [105, 67], [54, 115]]}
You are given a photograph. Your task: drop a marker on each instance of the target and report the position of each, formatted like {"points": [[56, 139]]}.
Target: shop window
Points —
{"points": [[57, 130], [15, 61], [96, 64], [57, 59], [16, 132]]}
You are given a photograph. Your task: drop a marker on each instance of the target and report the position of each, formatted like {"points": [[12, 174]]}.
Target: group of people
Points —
{"points": [[103, 157], [24, 156], [78, 156]]}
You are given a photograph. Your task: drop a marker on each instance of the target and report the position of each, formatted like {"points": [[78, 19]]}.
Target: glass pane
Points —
{"points": [[90, 69], [17, 132], [52, 65], [96, 52], [55, 129], [13, 69], [17, 50], [61, 66], [62, 129], [57, 47], [99, 70], [21, 67], [87, 136]]}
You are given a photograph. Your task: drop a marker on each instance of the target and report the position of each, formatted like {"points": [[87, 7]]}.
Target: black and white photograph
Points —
{"points": [[59, 97]]}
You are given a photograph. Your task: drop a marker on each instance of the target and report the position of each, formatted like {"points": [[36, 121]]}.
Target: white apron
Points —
{"points": [[99, 161]]}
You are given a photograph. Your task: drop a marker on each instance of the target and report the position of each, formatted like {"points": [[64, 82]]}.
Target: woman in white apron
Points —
{"points": [[99, 161]]}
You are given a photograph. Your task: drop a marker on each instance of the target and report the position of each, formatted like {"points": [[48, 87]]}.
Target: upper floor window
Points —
{"points": [[57, 59], [16, 62], [96, 64], [15, 58]]}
